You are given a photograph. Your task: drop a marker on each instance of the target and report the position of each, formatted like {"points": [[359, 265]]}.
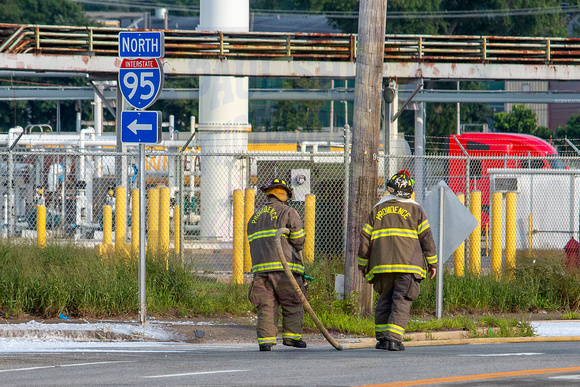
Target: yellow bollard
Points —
{"points": [[120, 219], [249, 207], [510, 232], [238, 253], [41, 226], [475, 237], [135, 223], [164, 204], [107, 225], [530, 235], [496, 234], [459, 255], [309, 224], [153, 221], [177, 230]]}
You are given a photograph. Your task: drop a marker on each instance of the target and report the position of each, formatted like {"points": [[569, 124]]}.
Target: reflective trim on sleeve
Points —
{"points": [[423, 226], [270, 266], [385, 232], [412, 269], [362, 261], [367, 228], [297, 234], [431, 260]]}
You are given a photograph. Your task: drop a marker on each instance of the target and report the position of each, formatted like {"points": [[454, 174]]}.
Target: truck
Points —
{"points": [[492, 151]]}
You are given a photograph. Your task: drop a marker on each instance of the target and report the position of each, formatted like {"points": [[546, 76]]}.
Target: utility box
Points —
{"points": [[300, 182]]}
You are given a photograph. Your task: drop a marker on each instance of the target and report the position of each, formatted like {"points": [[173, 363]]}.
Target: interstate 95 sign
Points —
{"points": [[141, 81]]}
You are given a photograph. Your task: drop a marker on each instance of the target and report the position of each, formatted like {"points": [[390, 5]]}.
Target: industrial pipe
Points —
{"points": [[177, 230], [510, 232], [459, 255], [249, 207], [496, 234], [475, 237], [309, 223], [238, 254], [41, 226], [299, 291]]}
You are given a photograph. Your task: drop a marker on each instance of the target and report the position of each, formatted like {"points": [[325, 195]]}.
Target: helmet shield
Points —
{"points": [[277, 183]]}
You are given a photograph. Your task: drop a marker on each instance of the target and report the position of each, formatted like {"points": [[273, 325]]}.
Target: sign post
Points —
{"points": [[140, 81]]}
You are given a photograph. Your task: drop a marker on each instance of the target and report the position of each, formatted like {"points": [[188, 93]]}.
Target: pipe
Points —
{"points": [[309, 223], [249, 207], [164, 202], [238, 253], [459, 255], [135, 223], [298, 291], [510, 232], [153, 229], [41, 226], [496, 234], [475, 237]]}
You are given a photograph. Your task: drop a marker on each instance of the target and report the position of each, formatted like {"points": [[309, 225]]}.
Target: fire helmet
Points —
{"points": [[280, 183], [401, 184]]}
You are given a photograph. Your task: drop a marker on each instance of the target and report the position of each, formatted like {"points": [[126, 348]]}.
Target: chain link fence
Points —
{"points": [[90, 197]]}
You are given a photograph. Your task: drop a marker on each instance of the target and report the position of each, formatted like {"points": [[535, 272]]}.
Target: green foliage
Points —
{"points": [[520, 120], [571, 129], [51, 12], [297, 115]]}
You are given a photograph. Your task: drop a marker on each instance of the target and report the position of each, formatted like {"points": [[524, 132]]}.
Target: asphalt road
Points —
{"points": [[175, 364]]}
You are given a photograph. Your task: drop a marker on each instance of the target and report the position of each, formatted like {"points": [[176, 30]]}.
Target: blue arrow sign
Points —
{"points": [[141, 127], [141, 80], [136, 44]]}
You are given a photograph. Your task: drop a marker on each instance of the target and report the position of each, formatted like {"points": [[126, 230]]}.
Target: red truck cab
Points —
{"points": [[538, 152]]}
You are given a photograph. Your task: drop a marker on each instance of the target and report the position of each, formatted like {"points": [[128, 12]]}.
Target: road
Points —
{"points": [[42, 363]]}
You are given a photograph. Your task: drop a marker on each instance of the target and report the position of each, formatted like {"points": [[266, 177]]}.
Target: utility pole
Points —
{"points": [[365, 144]]}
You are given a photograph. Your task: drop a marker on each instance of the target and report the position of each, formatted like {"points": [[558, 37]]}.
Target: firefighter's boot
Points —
{"points": [[265, 347], [396, 346], [294, 343]]}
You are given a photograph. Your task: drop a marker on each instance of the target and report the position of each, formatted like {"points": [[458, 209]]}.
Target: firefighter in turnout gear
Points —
{"points": [[396, 253], [271, 288]]}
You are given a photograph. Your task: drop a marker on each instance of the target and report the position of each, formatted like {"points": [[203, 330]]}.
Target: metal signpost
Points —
{"points": [[140, 81]]}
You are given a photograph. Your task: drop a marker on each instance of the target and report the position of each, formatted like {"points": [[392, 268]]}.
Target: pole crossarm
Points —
{"points": [[94, 51]]}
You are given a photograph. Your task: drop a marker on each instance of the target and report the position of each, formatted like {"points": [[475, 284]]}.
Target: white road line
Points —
{"points": [[193, 373], [64, 365], [566, 377], [505, 354]]}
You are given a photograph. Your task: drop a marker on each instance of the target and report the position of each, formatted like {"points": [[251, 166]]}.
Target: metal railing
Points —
{"points": [[103, 41]]}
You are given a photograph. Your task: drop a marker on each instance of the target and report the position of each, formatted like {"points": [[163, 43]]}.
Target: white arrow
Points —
{"points": [[134, 127]]}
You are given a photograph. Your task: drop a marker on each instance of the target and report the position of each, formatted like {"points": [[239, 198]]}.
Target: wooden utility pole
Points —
{"points": [[365, 140]]}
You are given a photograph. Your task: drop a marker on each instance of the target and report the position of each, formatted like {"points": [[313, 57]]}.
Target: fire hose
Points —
{"points": [[299, 292]]}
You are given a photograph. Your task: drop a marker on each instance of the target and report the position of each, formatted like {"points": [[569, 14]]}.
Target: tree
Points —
{"points": [[520, 120], [297, 115], [571, 129], [51, 12]]}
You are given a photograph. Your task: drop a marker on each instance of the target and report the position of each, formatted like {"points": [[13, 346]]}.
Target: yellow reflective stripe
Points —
{"points": [[394, 232], [395, 329], [368, 229], [423, 226], [297, 234], [262, 234], [412, 269], [431, 260], [381, 327], [266, 340], [294, 336], [362, 261], [277, 266]]}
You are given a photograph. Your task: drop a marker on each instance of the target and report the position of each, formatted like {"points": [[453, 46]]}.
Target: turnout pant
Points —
{"points": [[397, 291], [268, 292]]}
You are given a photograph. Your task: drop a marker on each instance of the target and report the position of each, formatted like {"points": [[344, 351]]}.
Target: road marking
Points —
{"points": [[504, 354], [193, 373], [475, 377], [65, 365], [566, 377]]}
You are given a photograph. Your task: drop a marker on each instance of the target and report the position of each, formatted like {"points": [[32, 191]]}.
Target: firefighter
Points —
{"points": [[397, 251], [271, 288]]}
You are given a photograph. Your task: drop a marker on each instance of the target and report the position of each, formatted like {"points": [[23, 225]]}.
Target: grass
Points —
{"points": [[77, 282]]}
